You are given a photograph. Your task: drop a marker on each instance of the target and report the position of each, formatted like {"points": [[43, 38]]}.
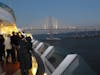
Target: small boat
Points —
{"points": [[53, 39]]}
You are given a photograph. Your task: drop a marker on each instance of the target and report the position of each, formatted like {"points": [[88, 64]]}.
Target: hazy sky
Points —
{"points": [[67, 12]]}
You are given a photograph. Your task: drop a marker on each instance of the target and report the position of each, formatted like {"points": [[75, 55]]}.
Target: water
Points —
{"points": [[87, 48]]}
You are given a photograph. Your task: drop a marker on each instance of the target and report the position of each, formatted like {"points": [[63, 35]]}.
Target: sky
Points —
{"points": [[66, 12]]}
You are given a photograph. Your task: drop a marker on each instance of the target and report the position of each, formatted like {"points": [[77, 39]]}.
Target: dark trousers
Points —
{"points": [[0, 56], [2, 52], [8, 54], [13, 55]]}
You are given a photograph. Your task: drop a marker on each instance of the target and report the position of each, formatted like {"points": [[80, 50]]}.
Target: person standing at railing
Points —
{"points": [[24, 56], [15, 45], [8, 47], [29, 44]]}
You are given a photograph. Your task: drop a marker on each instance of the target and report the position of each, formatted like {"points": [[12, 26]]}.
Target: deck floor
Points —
{"points": [[13, 69]]}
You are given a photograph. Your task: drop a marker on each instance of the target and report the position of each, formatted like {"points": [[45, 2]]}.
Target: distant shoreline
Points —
{"points": [[83, 37]]}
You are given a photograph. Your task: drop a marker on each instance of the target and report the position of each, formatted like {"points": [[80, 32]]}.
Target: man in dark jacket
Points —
{"points": [[24, 57]]}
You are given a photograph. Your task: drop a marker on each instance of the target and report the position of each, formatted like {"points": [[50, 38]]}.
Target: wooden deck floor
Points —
{"points": [[9, 68], [13, 69]]}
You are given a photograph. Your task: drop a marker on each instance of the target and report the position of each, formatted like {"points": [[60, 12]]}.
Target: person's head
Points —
{"points": [[13, 33], [22, 36], [17, 34], [28, 39]]}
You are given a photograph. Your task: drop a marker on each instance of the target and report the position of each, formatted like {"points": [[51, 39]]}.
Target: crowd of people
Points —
{"points": [[19, 48]]}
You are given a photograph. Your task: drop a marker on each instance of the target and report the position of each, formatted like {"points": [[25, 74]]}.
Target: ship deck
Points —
{"points": [[14, 69]]}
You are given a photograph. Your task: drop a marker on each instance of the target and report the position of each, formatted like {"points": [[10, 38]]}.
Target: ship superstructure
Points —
{"points": [[7, 20]]}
